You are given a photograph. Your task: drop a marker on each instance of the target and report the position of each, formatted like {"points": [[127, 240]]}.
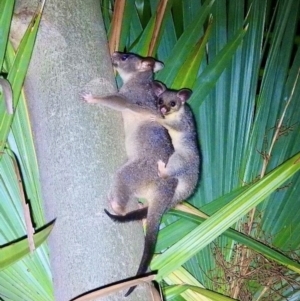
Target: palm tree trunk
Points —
{"points": [[79, 147]]}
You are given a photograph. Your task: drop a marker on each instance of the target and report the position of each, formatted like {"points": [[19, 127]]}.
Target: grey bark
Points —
{"points": [[79, 147]]}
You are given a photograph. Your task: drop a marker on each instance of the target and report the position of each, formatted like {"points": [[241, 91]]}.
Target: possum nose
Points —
{"points": [[163, 110]]}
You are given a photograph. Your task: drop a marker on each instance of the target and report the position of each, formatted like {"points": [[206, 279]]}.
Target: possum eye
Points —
{"points": [[173, 103], [124, 57], [160, 101]]}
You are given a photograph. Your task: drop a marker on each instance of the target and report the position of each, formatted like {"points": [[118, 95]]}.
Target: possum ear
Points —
{"points": [[146, 64], [184, 94], [158, 66], [158, 88], [150, 63]]}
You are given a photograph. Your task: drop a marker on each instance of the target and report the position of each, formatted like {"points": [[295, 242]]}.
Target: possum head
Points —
{"points": [[170, 101], [129, 65]]}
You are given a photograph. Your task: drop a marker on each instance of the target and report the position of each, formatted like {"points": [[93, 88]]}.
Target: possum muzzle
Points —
{"points": [[164, 110]]}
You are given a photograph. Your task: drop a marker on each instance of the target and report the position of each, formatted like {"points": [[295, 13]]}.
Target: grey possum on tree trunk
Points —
{"points": [[147, 143]]}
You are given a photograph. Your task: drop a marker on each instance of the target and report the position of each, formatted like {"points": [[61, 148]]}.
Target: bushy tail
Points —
{"points": [[156, 209], [153, 221]]}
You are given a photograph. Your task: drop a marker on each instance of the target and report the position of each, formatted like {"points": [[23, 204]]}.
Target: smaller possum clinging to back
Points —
{"points": [[178, 119]]}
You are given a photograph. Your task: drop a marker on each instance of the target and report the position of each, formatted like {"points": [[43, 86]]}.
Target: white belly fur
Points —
{"points": [[132, 122]]}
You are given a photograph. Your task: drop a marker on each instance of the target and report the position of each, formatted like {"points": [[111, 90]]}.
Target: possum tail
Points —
{"points": [[153, 221], [134, 215], [157, 207], [162, 201]]}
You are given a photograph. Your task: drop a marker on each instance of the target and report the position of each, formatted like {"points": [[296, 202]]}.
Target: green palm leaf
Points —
{"points": [[21, 277], [224, 218], [6, 7], [176, 290], [248, 135], [17, 73], [245, 101], [15, 251]]}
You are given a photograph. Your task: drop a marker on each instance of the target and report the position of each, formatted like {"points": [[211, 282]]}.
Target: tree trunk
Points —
{"points": [[79, 147]]}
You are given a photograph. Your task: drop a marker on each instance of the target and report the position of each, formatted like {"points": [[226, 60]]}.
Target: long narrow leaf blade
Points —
{"points": [[13, 252], [212, 72], [6, 9], [176, 290], [249, 242], [187, 74], [190, 37]]}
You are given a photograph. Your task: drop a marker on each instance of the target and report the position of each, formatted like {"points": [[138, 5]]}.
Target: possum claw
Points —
{"points": [[162, 173], [87, 97]]}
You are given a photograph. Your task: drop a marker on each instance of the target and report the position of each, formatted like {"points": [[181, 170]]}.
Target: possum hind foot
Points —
{"points": [[117, 208]]}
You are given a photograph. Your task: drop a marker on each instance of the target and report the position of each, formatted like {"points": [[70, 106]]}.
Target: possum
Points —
{"points": [[178, 119]]}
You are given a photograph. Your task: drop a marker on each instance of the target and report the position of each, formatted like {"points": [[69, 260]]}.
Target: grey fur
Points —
{"points": [[147, 142], [178, 119]]}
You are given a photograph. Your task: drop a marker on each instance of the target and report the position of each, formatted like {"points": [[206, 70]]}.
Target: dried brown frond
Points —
{"points": [[116, 25], [247, 272]]}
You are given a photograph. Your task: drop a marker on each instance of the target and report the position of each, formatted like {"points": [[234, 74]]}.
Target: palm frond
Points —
{"points": [[245, 101], [23, 276]]}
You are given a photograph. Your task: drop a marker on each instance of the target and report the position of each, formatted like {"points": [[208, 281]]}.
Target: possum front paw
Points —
{"points": [[88, 97], [162, 170]]}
